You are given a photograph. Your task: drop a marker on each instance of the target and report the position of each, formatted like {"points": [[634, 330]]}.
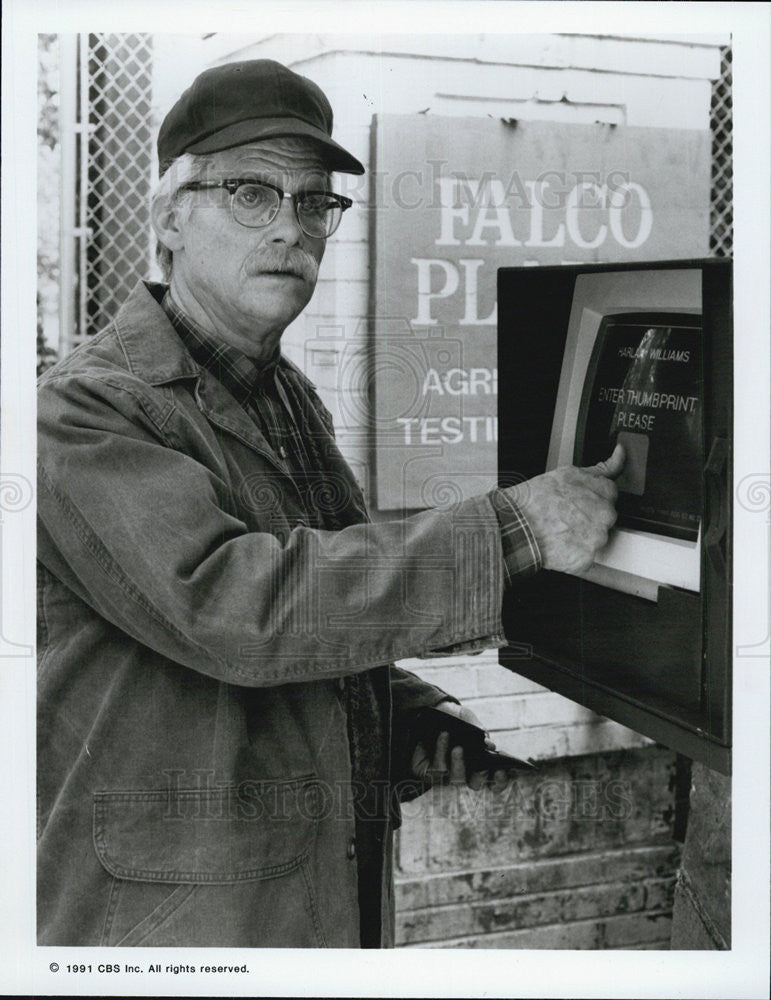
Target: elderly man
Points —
{"points": [[223, 740]]}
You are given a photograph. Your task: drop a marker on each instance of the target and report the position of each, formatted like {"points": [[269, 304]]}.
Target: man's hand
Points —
{"points": [[571, 511], [448, 765]]}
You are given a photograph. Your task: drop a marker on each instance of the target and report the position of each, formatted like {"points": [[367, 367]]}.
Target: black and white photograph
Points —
{"points": [[385, 505]]}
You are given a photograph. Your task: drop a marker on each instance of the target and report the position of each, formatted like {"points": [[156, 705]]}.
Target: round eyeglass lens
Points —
{"points": [[319, 214], [255, 205]]}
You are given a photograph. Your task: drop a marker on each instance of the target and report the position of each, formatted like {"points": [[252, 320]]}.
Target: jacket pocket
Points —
{"points": [[226, 866]]}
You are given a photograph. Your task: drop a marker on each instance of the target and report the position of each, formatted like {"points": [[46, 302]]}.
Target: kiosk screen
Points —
{"points": [[643, 389]]}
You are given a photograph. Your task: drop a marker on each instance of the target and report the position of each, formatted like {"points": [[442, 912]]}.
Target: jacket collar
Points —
{"points": [[153, 348], [155, 353]]}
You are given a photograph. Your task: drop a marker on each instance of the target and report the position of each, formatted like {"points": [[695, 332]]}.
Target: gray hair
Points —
{"points": [[187, 167]]}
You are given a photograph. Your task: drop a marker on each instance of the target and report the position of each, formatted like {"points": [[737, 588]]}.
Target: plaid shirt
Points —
{"points": [[521, 555], [266, 394]]}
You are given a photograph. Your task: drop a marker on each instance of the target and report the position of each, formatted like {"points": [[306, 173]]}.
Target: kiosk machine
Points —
{"points": [[589, 355]]}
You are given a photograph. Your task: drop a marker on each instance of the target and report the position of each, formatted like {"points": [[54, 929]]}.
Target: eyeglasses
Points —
{"points": [[256, 204]]}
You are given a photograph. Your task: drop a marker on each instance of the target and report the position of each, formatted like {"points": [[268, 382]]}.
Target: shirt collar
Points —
{"points": [[237, 372]]}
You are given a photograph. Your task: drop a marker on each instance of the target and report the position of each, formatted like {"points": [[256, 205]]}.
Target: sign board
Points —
{"points": [[454, 199]]}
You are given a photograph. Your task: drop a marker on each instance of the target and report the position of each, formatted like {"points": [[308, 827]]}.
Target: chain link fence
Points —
{"points": [[107, 172], [118, 152], [721, 221]]}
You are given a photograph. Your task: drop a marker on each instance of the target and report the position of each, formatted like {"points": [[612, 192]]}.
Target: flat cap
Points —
{"points": [[242, 102]]}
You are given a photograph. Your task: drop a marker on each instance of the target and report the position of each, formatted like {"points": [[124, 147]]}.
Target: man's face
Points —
{"points": [[234, 274]]}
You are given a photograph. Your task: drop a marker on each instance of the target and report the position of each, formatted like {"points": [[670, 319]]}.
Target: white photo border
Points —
{"points": [[742, 972]]}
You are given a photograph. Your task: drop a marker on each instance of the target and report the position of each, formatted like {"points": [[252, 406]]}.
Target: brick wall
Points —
{"points": [[524, 718], [577, 855]]}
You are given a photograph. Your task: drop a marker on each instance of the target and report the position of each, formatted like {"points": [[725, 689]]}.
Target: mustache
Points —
{"points": [[275, 259]]}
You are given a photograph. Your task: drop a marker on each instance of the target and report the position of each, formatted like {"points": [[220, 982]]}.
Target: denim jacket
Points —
{"points": [[194, 772]]}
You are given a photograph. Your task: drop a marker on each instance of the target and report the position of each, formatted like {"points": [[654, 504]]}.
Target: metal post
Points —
{"points": [[83, 231], [68, 56]]}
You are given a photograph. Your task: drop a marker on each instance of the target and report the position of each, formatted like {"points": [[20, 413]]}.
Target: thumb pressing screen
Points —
{"points": [[643, 389]]}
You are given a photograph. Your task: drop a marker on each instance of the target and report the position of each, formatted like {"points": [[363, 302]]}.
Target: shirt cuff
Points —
{"points": [[521, 555]]}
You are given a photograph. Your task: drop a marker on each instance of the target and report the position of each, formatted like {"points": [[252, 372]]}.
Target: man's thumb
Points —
{"points": [[612, 466]]}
